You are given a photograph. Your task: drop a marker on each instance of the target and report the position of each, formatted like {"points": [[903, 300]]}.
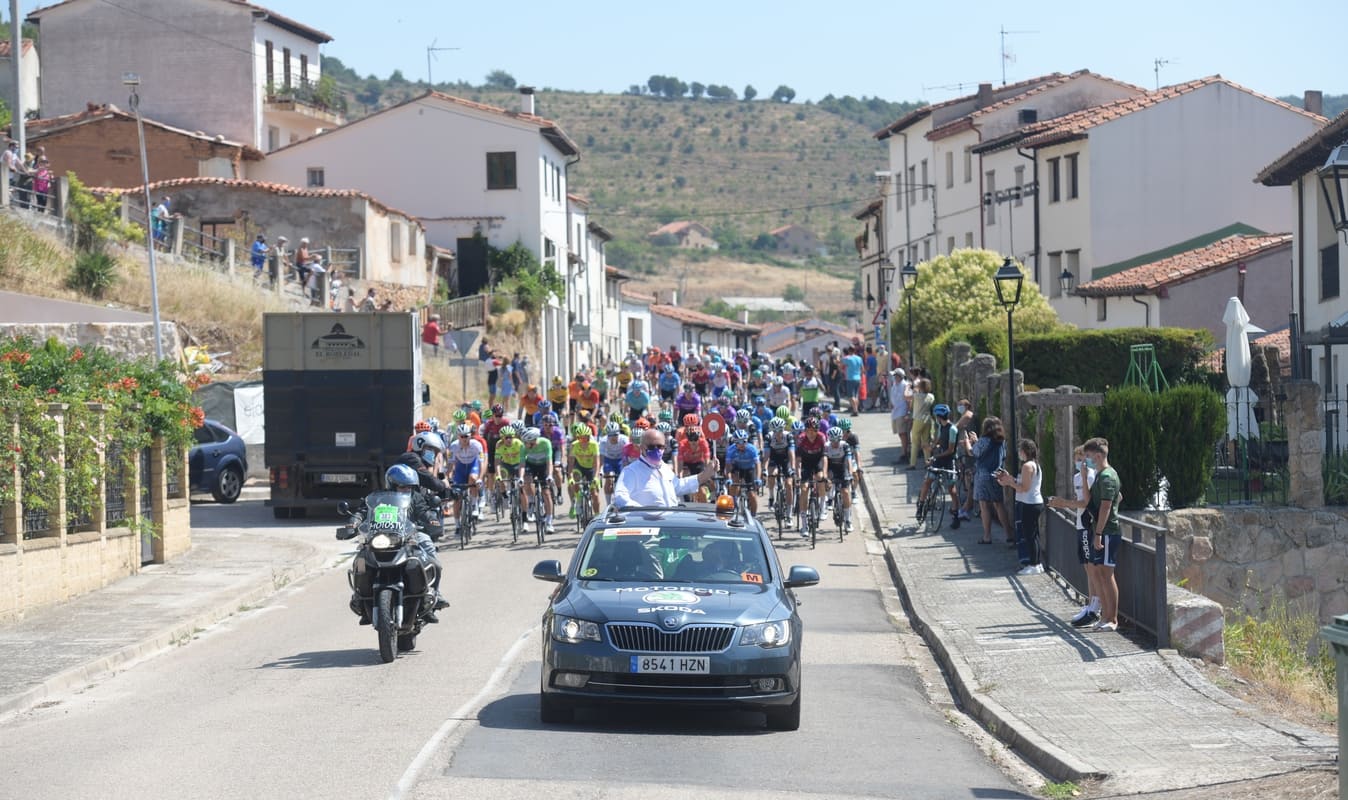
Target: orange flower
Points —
{"points": [[77, 354]]}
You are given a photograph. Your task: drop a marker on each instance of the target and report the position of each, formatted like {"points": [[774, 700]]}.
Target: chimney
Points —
{"points": [[984, 96], [1314, 101], [744, 316], [527, 99]]}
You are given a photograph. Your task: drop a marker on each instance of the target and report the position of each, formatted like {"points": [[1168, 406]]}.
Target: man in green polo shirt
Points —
{"points": [[1106, 538]]}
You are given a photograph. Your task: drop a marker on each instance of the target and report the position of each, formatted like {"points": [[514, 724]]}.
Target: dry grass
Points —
{"points": [[724, 277], [512, 324], [1284, 660]]}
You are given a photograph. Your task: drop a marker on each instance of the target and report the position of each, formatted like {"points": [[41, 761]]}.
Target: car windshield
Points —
{"points": [[704, 555]]}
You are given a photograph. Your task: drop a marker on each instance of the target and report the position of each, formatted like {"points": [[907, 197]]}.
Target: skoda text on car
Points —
{"points": [[673, 605]]}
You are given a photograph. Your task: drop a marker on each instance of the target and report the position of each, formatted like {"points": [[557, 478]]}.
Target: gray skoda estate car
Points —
{"points": [[673, 605]]}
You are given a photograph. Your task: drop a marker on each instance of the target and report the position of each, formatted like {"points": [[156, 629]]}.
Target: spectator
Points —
{"points": [[872, 372], [853, 367], [1029, 505], [1103, 514], [313, 280], [42, 184], [280, 261], [302, 262], [524, 370], [370, 303], [161, 216], [964, 459], [259, 255], [516, 381], [493, 368], [430, 334], [921, 405], [1083, 477], [989, 454], [349, 303], [506, 382], [900, 420]]}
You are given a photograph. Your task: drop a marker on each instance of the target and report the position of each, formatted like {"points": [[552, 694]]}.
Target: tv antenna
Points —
{"points": [[1156, 68], [1006, 54], [431, 50], [950, 87]]}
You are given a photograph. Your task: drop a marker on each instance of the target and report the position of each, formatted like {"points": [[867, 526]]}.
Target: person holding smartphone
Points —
{"points": [[989, 454]]}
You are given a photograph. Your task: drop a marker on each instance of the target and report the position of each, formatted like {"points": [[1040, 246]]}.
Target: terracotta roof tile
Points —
{"points": [[677, 227], [38, 128], [1014, 89], [4, 47], [1078, 123], [1147, 278], [699, 319], [281, 189], [966, 121], [1308, 154]]}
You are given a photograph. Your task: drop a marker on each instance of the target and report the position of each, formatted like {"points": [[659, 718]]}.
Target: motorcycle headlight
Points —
{"points": [[767, 634], [567, 629], [386, 541]]}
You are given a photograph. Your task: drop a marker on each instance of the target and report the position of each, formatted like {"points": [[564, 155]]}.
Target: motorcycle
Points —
{"points": [[392, 585]]}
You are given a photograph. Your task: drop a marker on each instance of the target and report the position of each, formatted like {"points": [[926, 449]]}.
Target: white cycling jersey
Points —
{"points": [[779, 396], [610, 449], [465, 453]]}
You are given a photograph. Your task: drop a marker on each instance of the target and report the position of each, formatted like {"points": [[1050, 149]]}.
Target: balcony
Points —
{"points": [[306, 102]]}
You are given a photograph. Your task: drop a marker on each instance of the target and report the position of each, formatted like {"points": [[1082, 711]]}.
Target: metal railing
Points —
{"points": [[1252, 470], [461, 312], [309, 93], [1140, 572]]}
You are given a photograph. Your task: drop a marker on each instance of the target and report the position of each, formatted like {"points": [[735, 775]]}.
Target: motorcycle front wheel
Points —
{"points": [[387, 627]]}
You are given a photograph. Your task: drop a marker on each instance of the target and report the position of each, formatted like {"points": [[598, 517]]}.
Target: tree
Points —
{"points": [[750, 92], [793, 293], [499, 79], [718, 92], [697, 89], [397, 77], [958, 289], [720, 308], [4, 114], [784, 94]]}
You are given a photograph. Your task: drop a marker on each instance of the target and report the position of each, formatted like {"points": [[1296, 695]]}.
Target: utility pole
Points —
{"points": [[132, 82], [16, 125], [431, 50]]}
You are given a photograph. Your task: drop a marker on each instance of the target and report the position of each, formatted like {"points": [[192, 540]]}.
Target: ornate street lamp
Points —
{"points": [[1334, 183], [1065, 280], [1008, 282], [908, 279]]}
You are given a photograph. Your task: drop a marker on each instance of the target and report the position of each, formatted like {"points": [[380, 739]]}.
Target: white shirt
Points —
{"points": [[1081, 493], [1033, 496], [898, 399], [640, 484]]}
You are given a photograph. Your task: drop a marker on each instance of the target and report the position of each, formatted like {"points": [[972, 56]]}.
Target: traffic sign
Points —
{"points": [[462, 339], [713, 427]]}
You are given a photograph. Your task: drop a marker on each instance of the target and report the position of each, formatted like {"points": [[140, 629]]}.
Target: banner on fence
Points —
{"points": [[248, 414]]}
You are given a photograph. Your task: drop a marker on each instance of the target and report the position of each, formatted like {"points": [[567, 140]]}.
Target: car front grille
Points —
{"points": [[650, 639], [674, 686]]}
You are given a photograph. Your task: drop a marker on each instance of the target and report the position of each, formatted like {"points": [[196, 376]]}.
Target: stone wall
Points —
{"points": [[124, 340], [1242, 557]]}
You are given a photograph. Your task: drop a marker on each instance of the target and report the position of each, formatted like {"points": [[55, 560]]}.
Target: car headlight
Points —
{"points": [[767, 634], [567, 629], [385, 541]]}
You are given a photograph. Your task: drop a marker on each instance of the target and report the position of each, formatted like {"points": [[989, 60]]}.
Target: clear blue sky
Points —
{"points": [[896, 50]]}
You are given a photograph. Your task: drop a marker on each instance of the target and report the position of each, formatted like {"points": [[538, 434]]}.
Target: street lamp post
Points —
{"points": [[1008, 281], [1334, 183], [131, 80], [908, 279]]}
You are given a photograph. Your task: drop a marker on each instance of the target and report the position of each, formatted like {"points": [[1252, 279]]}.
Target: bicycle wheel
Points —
{"points": [[465, 520], [497, 501], [540, 523], [936, 507], [779, 506], [813, 515], [515, 518]]}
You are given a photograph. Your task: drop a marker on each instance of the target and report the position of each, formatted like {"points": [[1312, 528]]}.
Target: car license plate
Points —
{"points": [[336, 477], [682, 665]]}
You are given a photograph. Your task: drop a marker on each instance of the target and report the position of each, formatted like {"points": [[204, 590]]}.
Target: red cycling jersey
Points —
{"points": [[805, 446]]}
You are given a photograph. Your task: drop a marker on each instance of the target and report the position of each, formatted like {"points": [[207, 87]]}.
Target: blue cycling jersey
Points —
{"points": [[741, 456]]}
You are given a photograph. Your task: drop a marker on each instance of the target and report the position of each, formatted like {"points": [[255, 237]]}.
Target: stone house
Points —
{"points": [[796, 240], [226, 66], [29, 65], [101, 146], [685, 234]]}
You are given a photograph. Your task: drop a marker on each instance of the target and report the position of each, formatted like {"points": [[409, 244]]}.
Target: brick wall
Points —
{"points": [[107, 153]]}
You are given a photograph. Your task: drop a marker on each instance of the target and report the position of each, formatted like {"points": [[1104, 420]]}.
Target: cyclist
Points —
{"points": [[583, 459], [612, 454], [850, 436], [693, 453], [544, 409], [551, 429], [778, 394], [466, 453], [757, 385], [590, 398], [638, 400], [688, 401], [538, 459], [510, 460], [744, 467], [838, 455], [422, 426], [600, 383], [491, 433], [529, 402], [701, 377], [750, 424], [557, 395], [762, 412], [574, 390], [810, 451], [942, 457], [475, 413], [781, 450], [624, 378], [720, 380], [809, 389]]}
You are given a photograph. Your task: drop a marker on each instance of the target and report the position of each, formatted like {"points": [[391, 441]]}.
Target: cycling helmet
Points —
{"points": [[812, 423], [778, 424], [758, 373], [663, 427], [580, 429], [550, 419], [826, 406], [428, 441], [530, 435], [845, 424], [741, 435], [517, 427], [941, 410], [743, 415], [498, 410], [508, 431], [400, 475], [612, 429], [616, 416], [797, 426], [669, 368], [544, 406], [435, 424], [689, 420], [422, 426], [815, 413], [666, 415], [477, 406], [783, 413], [465, 429], [776, 380], [556, 380], [460, 416], [835, 433], [643, 423]]}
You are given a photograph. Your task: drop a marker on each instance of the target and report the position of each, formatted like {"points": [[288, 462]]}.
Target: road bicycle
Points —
{"points": [[814, 512], [466, 523], [741, 498], [536, 508], [781, 508], [839, 513], [497, 499], [581, 502], [511, 497], [931, 512]]}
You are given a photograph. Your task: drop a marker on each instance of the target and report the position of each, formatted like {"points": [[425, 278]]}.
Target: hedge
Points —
{"points": [[1096, 360], [1193, 419]]}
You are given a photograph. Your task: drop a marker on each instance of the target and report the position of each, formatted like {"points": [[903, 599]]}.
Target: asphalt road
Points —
{"points": [[290, 700]]}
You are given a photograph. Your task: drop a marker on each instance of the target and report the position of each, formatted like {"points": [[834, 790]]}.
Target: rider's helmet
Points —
{"points": [[517, 427], [777, 425], [428, 441], [688, 387], [835, 433], [845, 424], [760, 400], [508, 431], [812, 423], [544, 406], [825, 407], [612, 429], [669, 368], [435, 424], [422, 426], [580, 430], [797, 426], [498, 410], [663, 427], [758, 373], [941, 410], [464, 429], [400, 475], [776, 380], [642, 423], [616, 416], [783, 413], [743, 415], [460, 416], [741, 435], [530, 435], [477, 406], [815, 413], [550, 419], [638, 386], [689, 420], [666, 415], [556, 380]]}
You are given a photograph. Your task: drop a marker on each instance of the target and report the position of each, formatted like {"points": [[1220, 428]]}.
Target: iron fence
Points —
{"points": [[36, 524], [24, 195], [114, 488], [202, 246], [1252, 469], [146, 495]]}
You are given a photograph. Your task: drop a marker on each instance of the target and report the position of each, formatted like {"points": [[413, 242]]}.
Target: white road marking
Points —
{"points": [[410, 777]]}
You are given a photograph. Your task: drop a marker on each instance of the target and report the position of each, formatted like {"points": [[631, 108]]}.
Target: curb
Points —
{"points": [[1010, 729], [89, 672]]}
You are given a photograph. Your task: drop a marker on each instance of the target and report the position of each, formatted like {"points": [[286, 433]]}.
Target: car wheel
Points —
{"points": [[552, 712], [785, 719], [228, 485]]}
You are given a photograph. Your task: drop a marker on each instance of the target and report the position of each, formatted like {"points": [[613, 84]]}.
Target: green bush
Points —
{"points": [[1130, 420], [985, 337], [1096, 360], [93, 273], [1195, 418]]}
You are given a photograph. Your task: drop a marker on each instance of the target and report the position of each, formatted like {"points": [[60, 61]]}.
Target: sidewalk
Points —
{"points": [[1079, 705], [70, 645]]}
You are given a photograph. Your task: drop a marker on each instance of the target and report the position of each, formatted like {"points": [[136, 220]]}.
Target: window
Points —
{"points": [[912, 184], [1054, 271], [1054, 180], [912, 253], [285, 66], [1072, 187], [557, 184], [1329, 272], [949, 245], [411, 239], [968, 165], [304, 69], [990, 196], [926, 249], [1101, 308], [395, 240], [501, 171], [315, 177], [969, 239], [271, 70], [1020, 186], [925, 179], [547, 178], [950, 169], [1074, 265]]}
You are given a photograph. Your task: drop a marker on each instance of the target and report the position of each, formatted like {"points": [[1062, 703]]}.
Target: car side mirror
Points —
{"points": [[344, 508], [800, 576], [550, 571]]}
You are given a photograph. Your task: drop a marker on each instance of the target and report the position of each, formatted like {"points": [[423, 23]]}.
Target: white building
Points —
{"points": [[610, 314], [30, 73], [221, 66], [586, 283], [689, 330], [1134, 181], [635, 321]]}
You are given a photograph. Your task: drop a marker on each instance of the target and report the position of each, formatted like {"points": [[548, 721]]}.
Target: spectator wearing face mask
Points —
{"points": [[649, 481]]}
